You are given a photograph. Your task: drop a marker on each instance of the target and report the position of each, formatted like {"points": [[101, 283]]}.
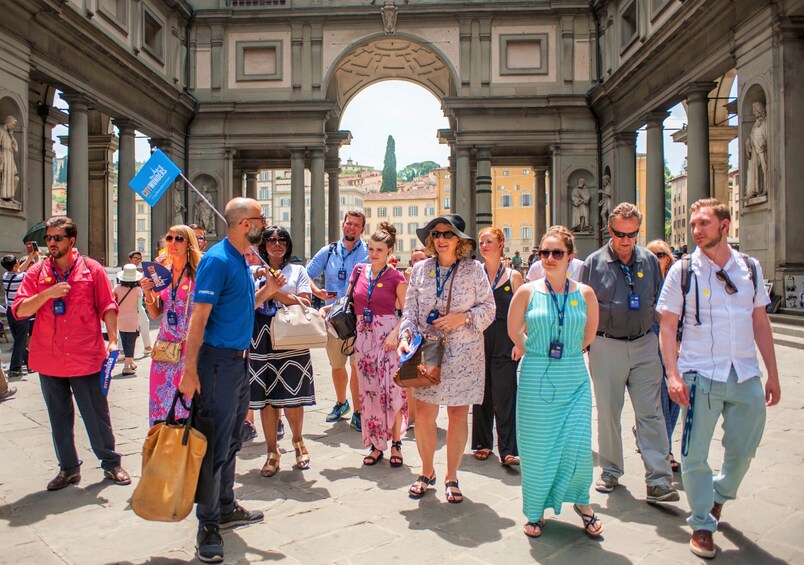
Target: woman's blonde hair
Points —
{"points": [[463, 250], [660, 245], [193, 251], [560, 233]]}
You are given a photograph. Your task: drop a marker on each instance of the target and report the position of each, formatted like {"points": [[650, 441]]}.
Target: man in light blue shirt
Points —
{"points": [[336, 262]]}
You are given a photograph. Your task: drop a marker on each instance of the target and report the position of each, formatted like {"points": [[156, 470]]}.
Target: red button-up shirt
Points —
{"points": [[69, 345]]}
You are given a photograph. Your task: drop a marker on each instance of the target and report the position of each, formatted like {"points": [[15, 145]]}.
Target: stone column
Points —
{"points": [[237, 181], [463, 188], [654, 201], [483, 216], [126, 207], [555, 167], [719, 139], [624, 181], [453, 177], [317, 202], [297, 196], [698, 174], [251, 184], [78, 167], [539, 205], [332, 165], [103, 244], [162, 213]]}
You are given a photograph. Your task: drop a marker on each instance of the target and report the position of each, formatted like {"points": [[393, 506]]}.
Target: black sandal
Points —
{"points": [[537, 524], [453, 492], [396, 460], [370, 459], [419, 488], [589, 521]]}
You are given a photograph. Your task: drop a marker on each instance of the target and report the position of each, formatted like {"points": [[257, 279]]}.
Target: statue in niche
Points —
{"points": [[757, 152], [580, 198], [9, 177], [178, 206], [204, 216], [605, 201]]}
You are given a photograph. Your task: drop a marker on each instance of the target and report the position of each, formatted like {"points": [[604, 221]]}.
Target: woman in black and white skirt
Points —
{"points": [[280, 380]]}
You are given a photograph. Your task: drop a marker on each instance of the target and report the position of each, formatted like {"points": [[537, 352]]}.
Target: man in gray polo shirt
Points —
{"points": [[626, 279]]}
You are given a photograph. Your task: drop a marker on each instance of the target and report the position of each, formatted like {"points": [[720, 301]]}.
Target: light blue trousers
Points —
{"points": [[743, 408]]}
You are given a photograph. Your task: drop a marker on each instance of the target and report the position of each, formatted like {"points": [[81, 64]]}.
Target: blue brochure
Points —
{"points": [[106, 371], [414, 346]]}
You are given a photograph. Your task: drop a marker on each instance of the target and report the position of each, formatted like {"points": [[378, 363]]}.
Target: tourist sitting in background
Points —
{"points": [[128, 296], [499, 399], [552, 321]]}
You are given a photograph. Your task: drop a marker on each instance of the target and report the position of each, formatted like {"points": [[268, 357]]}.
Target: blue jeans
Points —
{"points": [[743, 408], [225, 394]]}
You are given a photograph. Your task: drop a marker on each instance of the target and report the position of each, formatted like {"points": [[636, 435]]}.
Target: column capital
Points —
{"points": [[125, 125], [625, 138], [656, 118], [77, 100], [162, 143], [251, 175], [698, 90], [483, 153]]}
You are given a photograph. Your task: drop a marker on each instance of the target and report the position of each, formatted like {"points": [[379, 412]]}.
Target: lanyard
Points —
{"points": [[496, 277], [174, 289], [439, 284], [345, 257], [66, 273], [373, 283], [555, 300], [627, 272]]}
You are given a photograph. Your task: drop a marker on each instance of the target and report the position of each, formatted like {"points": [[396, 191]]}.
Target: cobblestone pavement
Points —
{"points": [[342, 512]]}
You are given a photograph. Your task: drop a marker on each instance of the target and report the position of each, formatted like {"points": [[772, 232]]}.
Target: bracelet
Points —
{"points": [[151, 302]]}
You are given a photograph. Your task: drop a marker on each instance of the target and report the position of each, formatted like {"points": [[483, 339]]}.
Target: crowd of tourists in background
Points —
{"points": [[526, 344]]}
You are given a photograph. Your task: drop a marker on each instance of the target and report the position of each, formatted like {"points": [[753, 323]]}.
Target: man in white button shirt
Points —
{"points": [[716, 371]]}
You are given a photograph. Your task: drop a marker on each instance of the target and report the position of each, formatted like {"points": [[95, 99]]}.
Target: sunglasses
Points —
{"points": [[558, 254], [262, 218], [200, 238], [56, 238], [623, 234], [435, 234], [723, 277], [660, 254], [275, 241], [178, 238]]}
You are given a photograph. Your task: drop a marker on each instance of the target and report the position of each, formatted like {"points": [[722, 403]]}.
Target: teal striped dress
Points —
{"points": [[554, 409]]}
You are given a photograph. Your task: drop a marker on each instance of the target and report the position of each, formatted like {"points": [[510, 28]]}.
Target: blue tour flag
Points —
{"points": [[154, 177], [106, 371], [157, 273]]}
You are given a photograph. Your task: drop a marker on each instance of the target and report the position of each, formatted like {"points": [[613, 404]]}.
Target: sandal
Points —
{"points": [[453, 492], [396, 460], [419, 488], [271, 465], [509, 460], [370, 459], [589, 521], [302, 456], [535, 528], [482, 454]]}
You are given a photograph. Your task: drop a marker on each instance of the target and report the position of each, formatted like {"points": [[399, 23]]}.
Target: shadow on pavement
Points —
{"points": [[453, 522], [747, 551], [37, 506]]}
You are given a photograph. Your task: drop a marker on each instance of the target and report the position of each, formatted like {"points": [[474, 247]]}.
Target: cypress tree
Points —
{"points": [[389, 167]]}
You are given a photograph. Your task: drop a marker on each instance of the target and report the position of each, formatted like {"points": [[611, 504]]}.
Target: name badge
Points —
{"points": [[172, 318], [433, 316], [556, 349], [59, 307], [368, 315], [342, 275], [633, 301]]}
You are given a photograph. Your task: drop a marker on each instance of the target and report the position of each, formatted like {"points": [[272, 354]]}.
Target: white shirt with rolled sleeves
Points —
{"points": [[536, 270], [725, 337]]}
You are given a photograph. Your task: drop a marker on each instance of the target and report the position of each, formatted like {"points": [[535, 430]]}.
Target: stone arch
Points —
{"points": [[753, 179], [11, 106]]}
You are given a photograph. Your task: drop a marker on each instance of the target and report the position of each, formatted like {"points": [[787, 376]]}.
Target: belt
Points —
{"points": [[627, 338], [234, 353]]}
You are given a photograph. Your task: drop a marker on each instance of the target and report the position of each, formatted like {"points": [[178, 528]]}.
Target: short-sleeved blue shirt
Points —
{"points": [[224, 281], [341, 258]]}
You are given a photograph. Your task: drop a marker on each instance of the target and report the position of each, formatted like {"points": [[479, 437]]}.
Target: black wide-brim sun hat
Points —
{"points": [[455, 221]]}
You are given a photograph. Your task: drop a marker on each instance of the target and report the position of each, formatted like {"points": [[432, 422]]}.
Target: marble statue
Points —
{"points": [[605, 201], [580, 198], [757, 152], [178, 206], [9, 177], [204, 216]]}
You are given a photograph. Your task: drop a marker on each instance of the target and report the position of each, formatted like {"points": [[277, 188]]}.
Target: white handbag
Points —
{"points": [[298, 326]]}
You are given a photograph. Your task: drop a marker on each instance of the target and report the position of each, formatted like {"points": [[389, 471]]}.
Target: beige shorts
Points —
{"points": [[335, 347]]}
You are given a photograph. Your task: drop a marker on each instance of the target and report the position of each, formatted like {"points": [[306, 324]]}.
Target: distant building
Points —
{"points": [[678, 210], [407, 210], [512, 191], [734, 204]]}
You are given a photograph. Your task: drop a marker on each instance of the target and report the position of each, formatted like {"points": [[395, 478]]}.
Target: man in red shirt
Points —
{"points": [[69, 295]]}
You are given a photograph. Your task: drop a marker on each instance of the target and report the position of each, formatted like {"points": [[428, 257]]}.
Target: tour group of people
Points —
{"points": [[679, 336]]}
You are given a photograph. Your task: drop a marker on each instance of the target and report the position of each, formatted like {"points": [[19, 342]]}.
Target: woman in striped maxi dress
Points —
{"points": [[554, 400]]}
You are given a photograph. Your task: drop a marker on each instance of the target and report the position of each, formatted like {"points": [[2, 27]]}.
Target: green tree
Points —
{"points": [[416, 170], [389, 167]]}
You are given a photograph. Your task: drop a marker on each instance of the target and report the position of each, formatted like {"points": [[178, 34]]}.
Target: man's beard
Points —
{"points": [[59, 253], [714, 242], [349, 237], [254, 239]]}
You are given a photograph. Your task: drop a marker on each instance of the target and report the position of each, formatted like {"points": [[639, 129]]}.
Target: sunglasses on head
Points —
{"points": [[435, 234], [624, 234], [56, 238], [275, 241], [557, 254], [660, 254], [177, 238], [723, 277]]}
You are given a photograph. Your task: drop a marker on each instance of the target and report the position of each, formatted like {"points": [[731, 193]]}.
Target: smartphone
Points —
{"points": [[35, 246], [331, 294], [29, 246]]}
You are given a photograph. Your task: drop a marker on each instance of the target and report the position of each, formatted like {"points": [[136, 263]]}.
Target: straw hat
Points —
{"points": [[129, 273]]}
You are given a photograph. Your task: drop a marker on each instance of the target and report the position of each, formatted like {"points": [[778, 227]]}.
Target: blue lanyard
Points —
{"points": [[373, 283], [685, 438], [345, 257], [627, 272], [440, 285], [66, 273], [555, 300], [174, 289], [496, 277]]}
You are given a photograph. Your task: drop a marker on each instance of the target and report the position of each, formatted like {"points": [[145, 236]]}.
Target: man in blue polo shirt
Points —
{"points": [[216, 363], [336, 261]]}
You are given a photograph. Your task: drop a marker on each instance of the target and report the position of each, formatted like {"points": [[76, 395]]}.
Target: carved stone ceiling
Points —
{"points": [[391, 58]]}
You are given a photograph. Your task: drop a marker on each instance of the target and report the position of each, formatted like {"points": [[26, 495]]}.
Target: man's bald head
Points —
{"points": [[238, 209]]}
